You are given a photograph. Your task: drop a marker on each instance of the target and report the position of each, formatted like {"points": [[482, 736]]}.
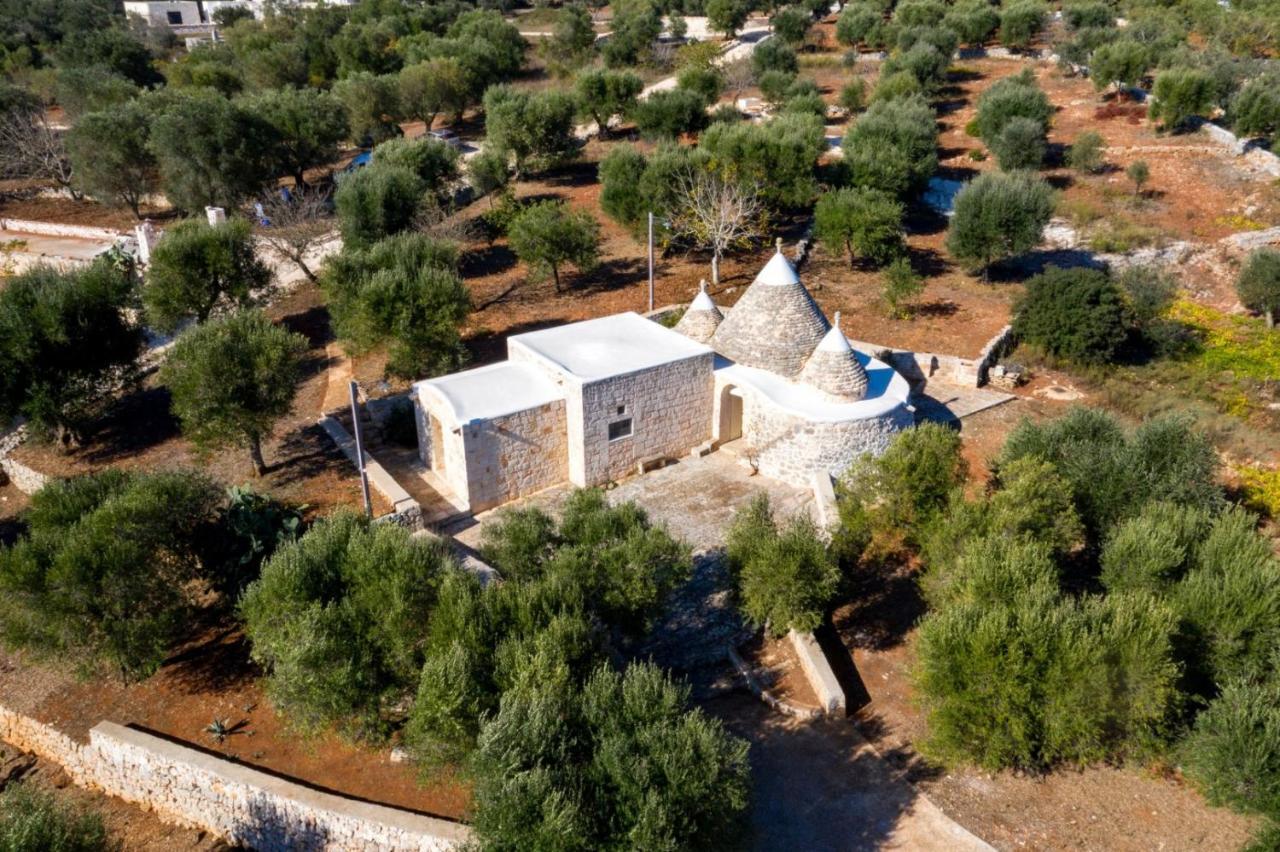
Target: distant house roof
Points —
{"points": [[493, 391], [775, 325], [609, 346]]}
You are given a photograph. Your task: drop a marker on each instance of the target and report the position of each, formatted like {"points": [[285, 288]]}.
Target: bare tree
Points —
{"points": [[738, 75], [31, 148], [297, 225], [716, 212]]}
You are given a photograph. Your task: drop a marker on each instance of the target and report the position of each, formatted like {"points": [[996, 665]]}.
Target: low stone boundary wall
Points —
{"points": [[994, 350], [238, 803], [405, 510], [25, 479], [56, 229], [817, 670], [919, 367]]}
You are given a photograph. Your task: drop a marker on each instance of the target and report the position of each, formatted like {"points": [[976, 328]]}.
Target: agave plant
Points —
{"points": [[218, 729]]}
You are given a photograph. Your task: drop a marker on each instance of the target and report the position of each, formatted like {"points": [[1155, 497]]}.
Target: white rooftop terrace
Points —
{"points": [[492, 391], [608, 346], [886, 390]]}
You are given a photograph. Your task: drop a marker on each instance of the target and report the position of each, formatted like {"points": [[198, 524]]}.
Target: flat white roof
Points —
{"points": [[492, 391], [886, 390], [609, 346]]}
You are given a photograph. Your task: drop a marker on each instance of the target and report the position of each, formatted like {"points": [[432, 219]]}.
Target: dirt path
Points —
{"points": [[819, 785]]}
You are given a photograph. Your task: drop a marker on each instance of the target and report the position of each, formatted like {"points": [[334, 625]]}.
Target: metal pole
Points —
{"points": [[650, 262], [364, 475]]}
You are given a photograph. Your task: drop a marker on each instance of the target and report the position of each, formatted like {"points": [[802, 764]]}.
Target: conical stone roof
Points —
{"points": [[834, 368], [701, 318], [776, 325]]}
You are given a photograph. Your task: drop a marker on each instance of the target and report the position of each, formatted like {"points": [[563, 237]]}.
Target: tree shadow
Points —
{"points": [[488, 347], [1060, 181], [884, 605], [489, 260], [135, 423], [616, 274], [305, 453], [216, 660], [939, 308], [313, 324], [901, 757], [11, 529], [576, 174], [1019, 268], [816, 784], [928, 262]]}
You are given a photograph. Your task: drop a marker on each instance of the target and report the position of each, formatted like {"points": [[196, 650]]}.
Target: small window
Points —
{"points": [[619, 429], [174, 17], [622, 409]]}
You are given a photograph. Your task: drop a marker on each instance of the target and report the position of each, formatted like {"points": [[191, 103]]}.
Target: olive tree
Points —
{"points": [[308, 125], [197, 267], [867, 222], [403, 292], [548, 235], [998, 216], [1020, 144], [67, 343], [211, 151], [232, 378], [1259, 284], [1180, 94], [105, 575], [109, 156], [378, 201], [536, 129], [1077, 314], [602, 94], [1121, 63]]}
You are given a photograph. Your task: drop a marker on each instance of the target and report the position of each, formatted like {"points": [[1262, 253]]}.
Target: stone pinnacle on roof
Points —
{"points": [[701, 318], [776, 325], [834, 368]]}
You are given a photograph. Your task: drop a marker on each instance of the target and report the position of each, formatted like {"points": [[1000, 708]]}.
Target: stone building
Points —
{"points": [[592, 401]]}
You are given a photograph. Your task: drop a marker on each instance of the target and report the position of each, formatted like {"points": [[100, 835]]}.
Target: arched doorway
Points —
{"points": [[730, 426]]}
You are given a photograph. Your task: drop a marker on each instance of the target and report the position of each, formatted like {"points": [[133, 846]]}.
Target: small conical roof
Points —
{"points": [[701, 318], [834, 368], [776, 325]]}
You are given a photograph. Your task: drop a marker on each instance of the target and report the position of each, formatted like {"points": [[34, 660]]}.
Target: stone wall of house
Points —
{"points": [[670, 407], [517, 454], [443, 450], [240, 804], [789, 448]]}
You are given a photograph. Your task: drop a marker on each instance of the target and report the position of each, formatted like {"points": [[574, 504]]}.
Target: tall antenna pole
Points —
{"points": [[651, 262], [364, 474]]}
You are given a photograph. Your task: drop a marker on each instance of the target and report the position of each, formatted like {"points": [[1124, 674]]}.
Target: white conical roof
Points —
{"points": [[834, 368], [776, 325], [701, 318]]}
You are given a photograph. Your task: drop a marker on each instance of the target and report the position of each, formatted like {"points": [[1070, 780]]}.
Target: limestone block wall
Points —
{"points": [[514, 455], [235, 802], [791, 449], [670, 407]]}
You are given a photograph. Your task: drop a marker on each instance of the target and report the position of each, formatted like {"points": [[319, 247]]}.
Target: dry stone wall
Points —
{"points": [[517, 454], [670, 408], [235, 802], [790, 448]]}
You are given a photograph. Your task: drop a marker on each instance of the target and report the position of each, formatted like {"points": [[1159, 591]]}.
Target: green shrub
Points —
{"points": [[992, 569], [434, 162], [1020, 145], [778, 158], [624, 764], [338, 617], [924, 62], [1078, 314], [1021, 22], [919, 13], [1233, 752], [1230, 603], [405, 293], [1085, 154], [198, 267], [785, 577], [620, 195], [900, 285], [899, 493], [998, 216], [32, 820], [773, 55], [1043, 680], [1113, 474], [1153, 549], [1089, 13], [109, 571], [866, 222], [671, 113], [856, 24], [973, 21], [853, 95], [893, 146], [1255, 110], [896, 86], [1180, 94], [1259, 284], [1012, 97], [376, 202]]}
